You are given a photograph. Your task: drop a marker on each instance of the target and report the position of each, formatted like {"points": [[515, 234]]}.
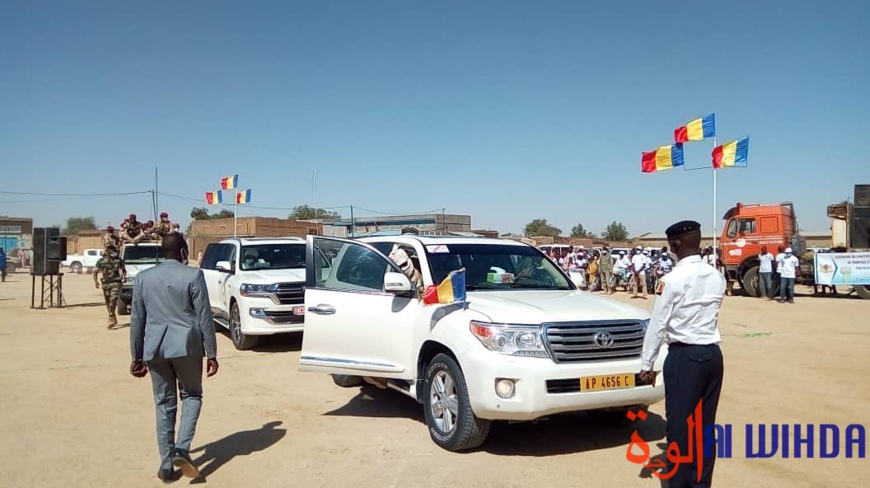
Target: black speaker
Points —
{"points": [[862, 195], [42, 265], [56, 248], [860, 231]]}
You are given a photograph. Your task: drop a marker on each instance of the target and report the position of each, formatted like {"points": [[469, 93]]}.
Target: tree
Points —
{"points": [[540, 227], [201, 213], [305, 212], [74, 225], [579, 231], [616, 231]]}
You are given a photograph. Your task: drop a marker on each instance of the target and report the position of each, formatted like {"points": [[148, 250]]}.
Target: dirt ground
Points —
{"points": [[73, 416]]}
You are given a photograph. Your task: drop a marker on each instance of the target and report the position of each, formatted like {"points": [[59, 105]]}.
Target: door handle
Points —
{"points": [[322, 310]]}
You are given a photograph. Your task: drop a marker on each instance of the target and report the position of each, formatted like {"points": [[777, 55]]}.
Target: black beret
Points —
{"points": [[682, 228]]}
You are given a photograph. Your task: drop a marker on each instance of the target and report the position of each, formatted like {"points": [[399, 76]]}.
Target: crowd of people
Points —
{"points": [[604, 270], [133, 232]]}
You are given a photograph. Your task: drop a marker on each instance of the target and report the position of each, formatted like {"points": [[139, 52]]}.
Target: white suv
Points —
{"points": [[256, 286], [526, 343]]}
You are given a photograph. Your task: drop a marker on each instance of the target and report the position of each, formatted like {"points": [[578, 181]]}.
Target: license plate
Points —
{"points": [[607, 382], [300, 310]]}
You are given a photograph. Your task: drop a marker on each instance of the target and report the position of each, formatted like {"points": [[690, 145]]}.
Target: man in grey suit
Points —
{"points": [[171, 330]]}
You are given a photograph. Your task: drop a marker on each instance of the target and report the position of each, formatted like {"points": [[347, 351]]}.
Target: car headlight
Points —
{"points": [[252, 290], [129, 279], [513, 340]]}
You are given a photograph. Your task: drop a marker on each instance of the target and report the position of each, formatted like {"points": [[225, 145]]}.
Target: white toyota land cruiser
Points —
{"points": [[526, 343], [256, 286]]}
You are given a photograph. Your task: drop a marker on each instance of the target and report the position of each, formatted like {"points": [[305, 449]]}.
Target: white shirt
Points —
{"points": [[623, 263], [766, 263], [639, 262], [687, 310], [788, 266]]}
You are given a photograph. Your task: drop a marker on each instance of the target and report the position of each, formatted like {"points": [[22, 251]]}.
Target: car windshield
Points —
{"points": [[272, 256], [143, 254], [497, 267]]}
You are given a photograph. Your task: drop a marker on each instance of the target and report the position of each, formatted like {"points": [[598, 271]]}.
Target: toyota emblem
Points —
{"points": [[603, 340]]}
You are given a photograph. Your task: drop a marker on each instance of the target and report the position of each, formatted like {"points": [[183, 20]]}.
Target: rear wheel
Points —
{"points": [[863, 291], [451, 421], [76, 267], [121, 308], [240, 340]]}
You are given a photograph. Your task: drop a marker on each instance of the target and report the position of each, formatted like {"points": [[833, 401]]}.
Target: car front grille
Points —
{"points": [[573, 342], [283, 317], [290, 294]]}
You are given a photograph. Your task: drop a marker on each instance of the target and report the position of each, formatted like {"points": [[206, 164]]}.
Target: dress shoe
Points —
{"points": [[182, 460], [168, 475]]}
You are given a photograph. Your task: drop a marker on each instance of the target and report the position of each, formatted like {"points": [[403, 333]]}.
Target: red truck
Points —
{"points": [[748, 227]]}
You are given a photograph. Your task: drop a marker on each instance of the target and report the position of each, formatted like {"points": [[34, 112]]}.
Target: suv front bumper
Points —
{"points": [[542, 387], [268, 318]]}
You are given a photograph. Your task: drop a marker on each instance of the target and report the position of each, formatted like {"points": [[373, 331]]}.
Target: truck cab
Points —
{"points": [[749, 227]]}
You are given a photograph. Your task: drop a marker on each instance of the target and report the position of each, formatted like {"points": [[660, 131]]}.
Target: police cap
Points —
{"points": [[682, 228]]}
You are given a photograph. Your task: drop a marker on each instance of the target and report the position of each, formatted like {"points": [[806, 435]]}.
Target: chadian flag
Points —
{"points": [[665, 157], [696, 130], [451, 290], [734, 153], [213, 197], [243, 196], [230, 182]]}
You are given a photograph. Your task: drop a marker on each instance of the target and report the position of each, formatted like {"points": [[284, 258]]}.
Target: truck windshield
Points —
{"points": [[142, 254], [272, 256], [497, 267]]}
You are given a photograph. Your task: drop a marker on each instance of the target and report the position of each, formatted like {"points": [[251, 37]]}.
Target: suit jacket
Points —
{"points": [[171, 315]]}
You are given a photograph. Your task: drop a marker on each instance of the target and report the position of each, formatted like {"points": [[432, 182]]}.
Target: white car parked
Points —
{"points": [[526, 343], [256, 286]]}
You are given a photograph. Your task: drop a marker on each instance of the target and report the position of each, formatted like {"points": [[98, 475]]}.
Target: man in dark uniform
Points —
{"points": [[111, 266], [686, 315]]}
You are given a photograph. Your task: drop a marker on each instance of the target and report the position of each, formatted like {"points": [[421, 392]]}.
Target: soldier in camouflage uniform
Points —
{"points": [[111, 266], [132, 230], [110, 239], [164, 227]]}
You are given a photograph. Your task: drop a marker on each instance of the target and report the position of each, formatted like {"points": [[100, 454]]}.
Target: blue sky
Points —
{"points": [[504, 110]]}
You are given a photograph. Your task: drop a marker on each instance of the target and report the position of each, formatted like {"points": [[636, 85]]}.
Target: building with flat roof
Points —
{"points": [[15, 232], [204, 232], [425, 224]]}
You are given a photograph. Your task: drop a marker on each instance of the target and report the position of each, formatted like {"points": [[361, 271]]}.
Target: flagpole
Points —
{"points": [[236, 213], [715, 214]]}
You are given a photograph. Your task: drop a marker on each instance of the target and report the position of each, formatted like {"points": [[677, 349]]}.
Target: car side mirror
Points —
{"points": [[397, 283], [224, 266]]}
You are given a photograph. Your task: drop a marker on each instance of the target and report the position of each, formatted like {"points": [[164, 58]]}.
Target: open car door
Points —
{"points": [[360, 311]]}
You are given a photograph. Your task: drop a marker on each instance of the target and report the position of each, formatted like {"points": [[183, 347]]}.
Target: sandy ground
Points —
{"points": [[73, 416]]}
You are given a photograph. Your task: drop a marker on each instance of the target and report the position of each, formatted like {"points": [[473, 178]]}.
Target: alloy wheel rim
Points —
{"points": [[235, 328], [443, 401]]}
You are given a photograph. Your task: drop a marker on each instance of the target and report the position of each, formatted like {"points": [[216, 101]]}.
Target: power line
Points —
{"points": [[36, 194]]}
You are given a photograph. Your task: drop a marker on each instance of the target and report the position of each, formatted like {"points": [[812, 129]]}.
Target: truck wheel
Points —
{"points": [[347, 381], [76, 267], [240, 341], [863, 291], [452, 424], [750, 282], [121, 308]]}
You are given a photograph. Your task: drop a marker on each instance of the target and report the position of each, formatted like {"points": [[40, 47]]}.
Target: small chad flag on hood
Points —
{"points": [[451, 290]]}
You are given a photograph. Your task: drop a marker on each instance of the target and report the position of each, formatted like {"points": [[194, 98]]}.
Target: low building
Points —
{"points": [[204, 232], [85, 239], [814, 239], [16, 232], [425, 224]]}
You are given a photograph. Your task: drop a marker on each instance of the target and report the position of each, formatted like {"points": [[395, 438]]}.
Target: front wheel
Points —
{"points": [[240, 340], [750, 282], [863, 291], [451, 421]]}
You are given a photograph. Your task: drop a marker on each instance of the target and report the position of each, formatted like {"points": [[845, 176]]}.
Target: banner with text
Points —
{"points": [[843, 268]]}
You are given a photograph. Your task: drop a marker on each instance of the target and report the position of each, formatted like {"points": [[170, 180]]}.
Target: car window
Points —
{"points": [[342, 265], [497, 267], [747, 226], [212, 255], [272, 256], [732, 228]]}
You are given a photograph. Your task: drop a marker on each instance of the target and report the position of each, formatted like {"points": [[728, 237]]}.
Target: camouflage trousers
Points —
{"points": [[110, 294]]}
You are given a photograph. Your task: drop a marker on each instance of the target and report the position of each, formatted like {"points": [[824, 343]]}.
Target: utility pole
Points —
{"points": [[352, 231]]}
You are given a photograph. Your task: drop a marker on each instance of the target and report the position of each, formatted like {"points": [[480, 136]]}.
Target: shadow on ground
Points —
{"points": [[560, 434], [280, 343], [216, 454], [84, 305]]}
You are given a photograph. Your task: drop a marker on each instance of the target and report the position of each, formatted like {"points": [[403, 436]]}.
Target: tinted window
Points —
{"points": [[143, 254], [529, 268], [272, 256], [212, 255]]}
